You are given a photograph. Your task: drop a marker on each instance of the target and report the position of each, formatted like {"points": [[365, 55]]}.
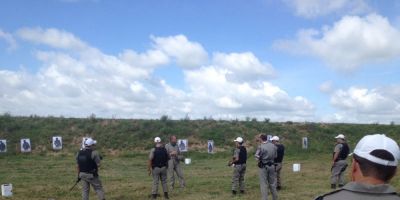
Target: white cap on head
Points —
{"points": [[157, 139], [340, 136], [370, 143], [89, 142], [238, 139], [275, 138]]}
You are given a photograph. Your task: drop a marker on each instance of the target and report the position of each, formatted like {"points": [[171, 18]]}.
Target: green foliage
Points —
{"points": [[131, 134]]}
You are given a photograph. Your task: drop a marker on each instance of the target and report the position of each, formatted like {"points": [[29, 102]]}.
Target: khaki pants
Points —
{"points": [[175, 167], [87, 180], [278, 168], [238, 177], [338, 172], [159, 174], [268, 180]]}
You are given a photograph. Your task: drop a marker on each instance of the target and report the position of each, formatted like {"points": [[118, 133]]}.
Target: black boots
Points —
{"points": [[333, 186], [233, 192], [278, 187], [341, 185], [166, 195], [241, 191], [154, 196]]}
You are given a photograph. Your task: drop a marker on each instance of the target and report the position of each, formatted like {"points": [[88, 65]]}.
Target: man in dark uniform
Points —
{"points": [[238, 163], [157, 165], [88, 160], [375, 161], [339, 163], [278, 160]]}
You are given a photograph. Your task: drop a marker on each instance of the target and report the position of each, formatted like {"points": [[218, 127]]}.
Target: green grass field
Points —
{"points": [[124, 177]]}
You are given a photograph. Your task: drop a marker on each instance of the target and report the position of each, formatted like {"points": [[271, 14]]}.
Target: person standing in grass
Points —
{"points": [[88, 160], [157, 166], [375, 161], [174, 162], [278, 160], [266, 154], [339, 162], [238, 162]]}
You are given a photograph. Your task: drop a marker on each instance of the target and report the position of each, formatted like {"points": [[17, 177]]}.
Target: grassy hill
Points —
{"points": [[44, 174], [125, 135]]}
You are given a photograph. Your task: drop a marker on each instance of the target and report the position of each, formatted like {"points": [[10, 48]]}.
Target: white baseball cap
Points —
{"points": [[89, 142], [370, 143], [238, 139], [157, 139], [340, 136], [275, 138]]}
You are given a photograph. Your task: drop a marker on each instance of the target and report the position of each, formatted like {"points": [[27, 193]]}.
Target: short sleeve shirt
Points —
{"points": [[338, 148], [236, 153], [151, 154]]}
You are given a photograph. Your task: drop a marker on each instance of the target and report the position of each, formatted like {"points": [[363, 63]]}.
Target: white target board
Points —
{"points": [[305, 143], [57, 143], [210, 146], [3, 146], [83, 141], [26, 145], [183, 145]]}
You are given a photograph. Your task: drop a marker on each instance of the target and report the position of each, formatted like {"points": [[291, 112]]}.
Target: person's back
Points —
{"points": [[355, 190], [267, 152], [375, 161]]}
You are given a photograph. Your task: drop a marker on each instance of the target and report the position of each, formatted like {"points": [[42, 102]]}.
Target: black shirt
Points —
{"points": [[280, 153]]}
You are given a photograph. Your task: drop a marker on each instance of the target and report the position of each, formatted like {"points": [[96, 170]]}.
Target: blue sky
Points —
{"points": [[311, 60]]}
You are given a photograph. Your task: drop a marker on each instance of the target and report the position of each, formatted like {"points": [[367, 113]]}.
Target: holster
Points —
{"points": [[263, 165]]}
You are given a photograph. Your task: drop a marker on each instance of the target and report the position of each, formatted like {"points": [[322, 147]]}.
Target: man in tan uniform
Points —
{"points": [[88, 160], [375, 161], [266, 154], [174, 162], [238, 163], [157, 166], [339, 163]]}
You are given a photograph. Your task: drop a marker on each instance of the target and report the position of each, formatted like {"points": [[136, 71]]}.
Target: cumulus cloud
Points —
{"points": [[350, 43], [243, 66], [76, 79], [9, 39], [316, 8], [52, 37], [367, 105], [215, 93], [187, 54]]}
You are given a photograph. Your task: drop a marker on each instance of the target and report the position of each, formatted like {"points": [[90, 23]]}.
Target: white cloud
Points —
{"points": [[243, 66], [9, 39], [316, 8], [326, 87], [77, 79], [213, 92], [52, 37], [357, 104], [187, 54], [349, 43]]}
